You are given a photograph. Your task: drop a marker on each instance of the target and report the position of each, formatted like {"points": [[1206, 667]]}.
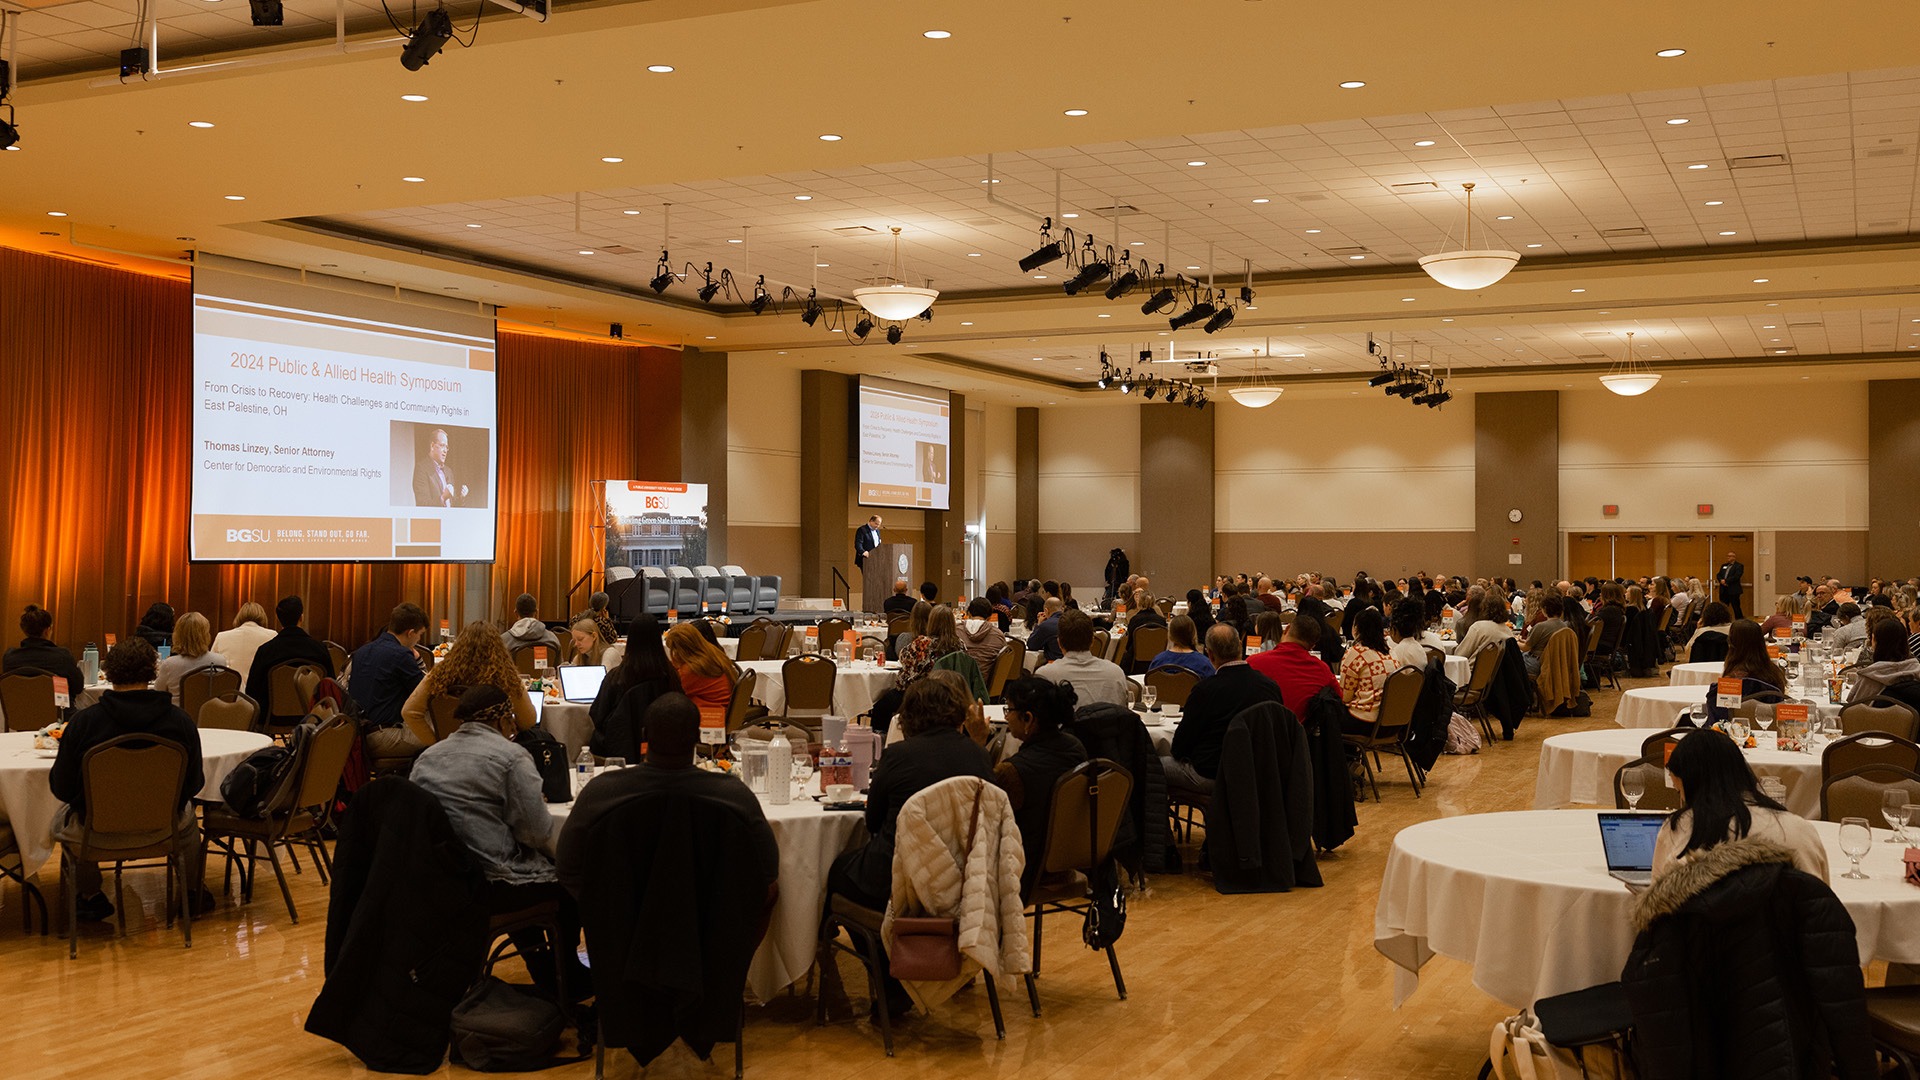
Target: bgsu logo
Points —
{"points": [[246, 536]]}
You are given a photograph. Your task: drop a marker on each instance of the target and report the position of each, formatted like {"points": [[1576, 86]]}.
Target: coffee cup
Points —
{"points": [[840, 793]]}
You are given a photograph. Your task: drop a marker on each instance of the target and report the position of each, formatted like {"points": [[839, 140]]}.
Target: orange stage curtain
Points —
{"points": [[96, 384]]}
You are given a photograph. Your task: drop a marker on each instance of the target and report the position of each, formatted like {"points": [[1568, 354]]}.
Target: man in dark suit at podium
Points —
{"points": [[1731, 575], [866, 540]]}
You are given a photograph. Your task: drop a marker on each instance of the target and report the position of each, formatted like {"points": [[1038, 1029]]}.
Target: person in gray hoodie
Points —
{"points": [[1891, 663], [527, 630]]}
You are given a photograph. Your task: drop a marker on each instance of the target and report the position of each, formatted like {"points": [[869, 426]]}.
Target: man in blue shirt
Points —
{"points": [[1045, 637], [385, 671]]}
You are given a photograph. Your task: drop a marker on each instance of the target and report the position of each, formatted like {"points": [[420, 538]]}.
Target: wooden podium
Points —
{"points": [[885, 564]]}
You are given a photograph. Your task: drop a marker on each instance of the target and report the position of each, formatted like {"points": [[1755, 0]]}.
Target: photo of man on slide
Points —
{"points": [[933, 462], [432, 480], [447, 465]]}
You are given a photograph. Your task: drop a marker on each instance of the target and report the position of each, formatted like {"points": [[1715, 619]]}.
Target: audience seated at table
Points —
{"points": [[490, 790], [1143, 611], [1746, 660], [1553, 620], [980, 634], [1491, 628], [1295, 667], [1720, 801], [1892, 663], [706, 675], [1201, 612], [1183, 649], [385, 672], [1330, 648], [129, 708], [291, 643], [527, 630], [1786, 608], [239, 642], [1847, 630], [645, 674], [192, 650], [1364, 671], [1192, 761], [1037, 712], [37, 652], [597, 610], [590, 646], [156, 626], [476, 659], [1709, 641], [1045, 636], [1094, 679], [934, 715], [1406, 624], [900, 603]]}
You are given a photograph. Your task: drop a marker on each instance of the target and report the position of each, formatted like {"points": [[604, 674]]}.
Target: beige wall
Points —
{"points": [[995, 445], [1089, 491], [763, 470]]}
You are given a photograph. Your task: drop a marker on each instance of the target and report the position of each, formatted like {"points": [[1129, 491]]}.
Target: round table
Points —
{"points": [[1656, 706], [1705, 673], [855, 686], [809, 838], [27, 802], [1524, 898], [1578, 767]]}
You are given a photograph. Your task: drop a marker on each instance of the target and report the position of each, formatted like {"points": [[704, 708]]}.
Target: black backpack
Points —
{"points": [[550, 757], [503, 1027]]}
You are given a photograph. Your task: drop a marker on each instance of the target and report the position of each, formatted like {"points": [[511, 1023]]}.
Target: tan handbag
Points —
{"points": [[926, 948]]}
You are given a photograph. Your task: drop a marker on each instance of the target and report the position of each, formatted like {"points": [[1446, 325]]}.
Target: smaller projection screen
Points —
{"points": [[903, 437]]}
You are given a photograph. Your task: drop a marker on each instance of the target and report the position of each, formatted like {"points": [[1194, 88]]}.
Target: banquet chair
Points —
{"points": [[1879, 714], [1471, 699], [233, 711], [424, 655], [1599, 657], [1171, 685], [295, 812], [800, 738], [1145, 643], [338, 655], [1089, 802], [440, 708], [808, 682], [1165, 606], [741, 710], [204, 684], [1287, 617], [779, 642], [1558, 684], [1862, 792], [133, 788], [524, 661], [1658, 795], [1869, 748], [26, 700], [12, 866], [1388, 732], [898, 625], [1102, 641], [1436, 655], [287, 703], [1893, 1016], [832, 633], [1654, 746], [542, 918], [1596, 1016], [752, 642], [1752, 705], [1017, 613], [1007, 666]]}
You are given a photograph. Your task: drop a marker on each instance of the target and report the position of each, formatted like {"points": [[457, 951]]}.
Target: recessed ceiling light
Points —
{"points": [[1727, 232], [1504, 217], [630, 213], [1193, 268], [1761, 280], [1533, 245], [937, 35], [660, 69], [1579, 290], [1669, 54], [613, 160], [235, 198], [710, 337], [1424, 142], [1195, 164], [416, 98], [989, 181], [973, 254], [1104, 315], [1352, 84], [1696, 166], [1076, 112], [803, 198], [829, 138], [56, 213], [1039, 277], [1263, 200], [1446, 320], [1774, 326], [1313, 230], [200, 123], [414, 179], [736, 240], [1138, 243], [823, 266], [1677, 121], [1355, 258], [1716, 202], [1406, 299], [586, 251], [1069, 215], [966, 324], [475, 225]]}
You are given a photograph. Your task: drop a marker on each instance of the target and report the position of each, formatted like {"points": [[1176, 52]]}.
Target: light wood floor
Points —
{"points": [[1230, 986]]}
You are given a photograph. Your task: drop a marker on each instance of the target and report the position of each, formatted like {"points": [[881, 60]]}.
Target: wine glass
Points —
{"points": [[1764, 717], [613, 763], [1633, 787], [1149, 697], [1893, 807], [1856, 839], [1697, 715]]}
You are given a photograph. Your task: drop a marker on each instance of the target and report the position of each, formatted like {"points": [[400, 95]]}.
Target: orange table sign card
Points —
{"points": [[539, 655], [61, 697], [1726, 692], [112, 640], [1253, 643], [713, 725], [1783, 632]]}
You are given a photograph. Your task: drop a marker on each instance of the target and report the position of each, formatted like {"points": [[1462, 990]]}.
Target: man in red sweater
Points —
{"points": [[1295, 666]]}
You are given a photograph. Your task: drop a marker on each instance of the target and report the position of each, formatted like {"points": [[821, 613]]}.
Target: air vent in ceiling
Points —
{"points": [[1590, 356], [1883, 224], [1813, 324], [1758, 161], [1623, 232], [981, 223], [1309, 196], [1117, 208], [1415, 187], [854, 230], [617, 249], [1886, 151], [1345, 252]]}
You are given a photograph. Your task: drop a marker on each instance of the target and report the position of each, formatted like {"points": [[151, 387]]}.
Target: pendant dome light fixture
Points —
{"points": [[1260, 394], [1470, 268], [1629, 378], [896, 301]]}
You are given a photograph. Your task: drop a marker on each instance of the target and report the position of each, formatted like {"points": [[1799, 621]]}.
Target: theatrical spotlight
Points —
{"points": [[1123, 284], [1246, 294], [760, 296], [1047, 252], [270, 13], [893, 334], [811, 311], [1194, 314], [1089, 273], [1157, 301], [664, 277], [1381, 379], [423, 44], [9, 133], [1106, 379], [925, 316], [708, 291], [1126, 382], [1150, 389], [862, 328], [1438, 398], [1220, 320]]}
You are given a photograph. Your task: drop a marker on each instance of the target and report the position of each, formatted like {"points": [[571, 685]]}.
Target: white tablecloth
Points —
{"points": [[1657, 706], [809, 839], [855, 686], [1705, 673], [1524, 898], [27, 802], [1578, 767]]}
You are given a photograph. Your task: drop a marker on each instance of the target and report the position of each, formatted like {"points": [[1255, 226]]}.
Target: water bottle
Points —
{"points": [[90, 663], [779, 769], [582, 769]]}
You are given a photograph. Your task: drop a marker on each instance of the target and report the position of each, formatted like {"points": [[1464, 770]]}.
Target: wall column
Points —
{"points": [[1175, 548], [703, 439], [824, 467], [1516, 466], [1893, 460], [1026, 492], [946, 530]]}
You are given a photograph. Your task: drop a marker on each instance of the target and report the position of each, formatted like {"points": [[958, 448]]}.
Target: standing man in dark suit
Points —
{"points": [[866, 540], [432, 481], [1731, 573]]}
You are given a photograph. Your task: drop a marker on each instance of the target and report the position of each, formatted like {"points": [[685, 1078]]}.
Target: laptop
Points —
{"points": [[580, 685], [1628, 842]]}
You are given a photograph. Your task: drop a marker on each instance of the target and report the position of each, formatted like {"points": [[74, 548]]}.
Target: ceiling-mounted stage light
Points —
{"points": [[1106, 378], [810, 311], [925, 316], [895, 301], [760, 296], [269, 13], [1150, 389], [711, 288], [1471, 268], [1221, 319], [423, 44], [862, 328], [1157, 301], [1123, 284], [894, 332], [1440, 399], [1041, 256], [1381, 379], [1202, 310], [9, 133], [1126, 382], [1246, 294], [664, 276], [1089, 273]]}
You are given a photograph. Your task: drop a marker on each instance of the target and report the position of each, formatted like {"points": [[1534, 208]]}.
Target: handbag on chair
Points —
{"points": [[926, 948]]}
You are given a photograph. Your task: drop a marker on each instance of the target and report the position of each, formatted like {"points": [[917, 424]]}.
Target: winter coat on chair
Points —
{"points": [[1432, 713], [406, 930], [1143, 841], [1511, 694], [1746, 969], [1334, 818], [1262, 811]]}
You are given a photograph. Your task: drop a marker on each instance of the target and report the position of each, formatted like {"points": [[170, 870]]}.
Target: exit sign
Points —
{"points": [[1704, 509], [1610, 510]]}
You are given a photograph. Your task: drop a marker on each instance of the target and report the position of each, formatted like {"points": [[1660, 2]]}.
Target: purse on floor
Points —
{"points": [[926, 948]]}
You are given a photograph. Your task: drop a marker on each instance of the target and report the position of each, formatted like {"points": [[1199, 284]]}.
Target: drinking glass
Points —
{"points": [[1149, 697], [613, 763], [1633, 786], [1697, 715], [1893, 807], [802, 772], [1764, 717], [1774, 788], [1856, 839]]}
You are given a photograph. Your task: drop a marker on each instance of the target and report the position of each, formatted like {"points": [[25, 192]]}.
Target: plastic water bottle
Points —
{"points": [[779, 769], [90, 663], [582, 769]]}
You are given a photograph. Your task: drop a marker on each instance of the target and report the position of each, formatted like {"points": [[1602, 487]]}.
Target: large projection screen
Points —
{"points": [[902, 436], [335, 421]]}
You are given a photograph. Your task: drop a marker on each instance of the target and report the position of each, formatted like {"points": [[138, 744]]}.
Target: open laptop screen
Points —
{"points": [[580, 685], [1628, 839]]}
